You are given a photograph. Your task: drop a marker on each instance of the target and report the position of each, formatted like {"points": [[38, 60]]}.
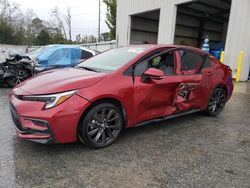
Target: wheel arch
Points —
{"points": [[224, 87], [111, 100], [220, 85]]}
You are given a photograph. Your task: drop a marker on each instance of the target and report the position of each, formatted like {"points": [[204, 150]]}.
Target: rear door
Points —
{"points": [[189, 93]]}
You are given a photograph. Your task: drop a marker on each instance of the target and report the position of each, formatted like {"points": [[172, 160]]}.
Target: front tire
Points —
{"points": [[13, 81], [101, 125], [216, 102]]}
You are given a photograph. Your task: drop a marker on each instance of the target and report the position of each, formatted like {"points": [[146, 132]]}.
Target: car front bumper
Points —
{"points": [[55, 125]]}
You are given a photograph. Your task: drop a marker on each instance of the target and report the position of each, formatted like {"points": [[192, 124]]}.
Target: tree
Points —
{"points": [[19, 36], [19, 28], [111, 17], [78, 39], [11, 18], [68, 22], [36, 26], [56, 13], [58, 39], [43, 38], [6, 33], [105, 36], [28, 17], [64, 21], [92, 39]]}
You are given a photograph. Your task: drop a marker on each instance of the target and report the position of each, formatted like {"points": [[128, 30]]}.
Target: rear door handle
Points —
{"points": [[209, 73]]}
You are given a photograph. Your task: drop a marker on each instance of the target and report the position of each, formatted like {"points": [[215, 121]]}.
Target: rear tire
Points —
{"points": [[216, 102], [101, 125]]}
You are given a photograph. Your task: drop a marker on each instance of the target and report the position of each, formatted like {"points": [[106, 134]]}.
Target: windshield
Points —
{"points": [[112, 60]]}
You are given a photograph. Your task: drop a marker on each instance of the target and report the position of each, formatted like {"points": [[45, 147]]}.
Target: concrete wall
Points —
{"points": [[238, 36], [125, 8], [21, 49], [7, 48], [101, 46]]}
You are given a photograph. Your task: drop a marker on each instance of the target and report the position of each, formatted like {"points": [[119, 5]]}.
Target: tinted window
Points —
{"points": [[141, 68], [165, 62], [207, 63], [138, 71], [86, 54], [190, 60]]}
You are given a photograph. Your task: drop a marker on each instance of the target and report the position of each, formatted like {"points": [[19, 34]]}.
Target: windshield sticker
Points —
{"points": [[136, 50]]}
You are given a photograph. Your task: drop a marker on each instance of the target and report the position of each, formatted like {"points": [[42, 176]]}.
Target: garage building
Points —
{"points": [[225, 22]]}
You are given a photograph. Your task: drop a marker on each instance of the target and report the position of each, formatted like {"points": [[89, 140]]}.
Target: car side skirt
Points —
{"points": [[157, 120]]}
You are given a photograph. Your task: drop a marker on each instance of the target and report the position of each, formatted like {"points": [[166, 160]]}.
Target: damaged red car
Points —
{"points": [[123, 87]]}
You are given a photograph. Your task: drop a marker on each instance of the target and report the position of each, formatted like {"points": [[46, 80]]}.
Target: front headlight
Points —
{"points": [[51, 100]]}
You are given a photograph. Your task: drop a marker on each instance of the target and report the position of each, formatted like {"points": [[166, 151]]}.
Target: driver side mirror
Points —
{"points": [[153, 74]]}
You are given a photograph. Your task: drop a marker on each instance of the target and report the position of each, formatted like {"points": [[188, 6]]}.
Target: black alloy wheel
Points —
{"points": [[216, 102], [21, 75], [101, 126]]}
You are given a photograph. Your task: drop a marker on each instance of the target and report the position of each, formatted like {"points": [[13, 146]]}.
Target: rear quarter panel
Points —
{"points": [[223, 76]]}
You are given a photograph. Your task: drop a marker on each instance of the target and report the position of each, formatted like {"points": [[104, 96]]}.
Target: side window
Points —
{"points": [[141, 68], [165, 62], [86, 55], [190, 61], [207, 63]]}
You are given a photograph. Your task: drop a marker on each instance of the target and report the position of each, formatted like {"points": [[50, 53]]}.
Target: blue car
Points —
{"points": [[58, 56]]}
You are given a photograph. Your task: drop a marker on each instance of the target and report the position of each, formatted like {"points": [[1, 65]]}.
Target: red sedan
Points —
{"points": [[122, 87]]}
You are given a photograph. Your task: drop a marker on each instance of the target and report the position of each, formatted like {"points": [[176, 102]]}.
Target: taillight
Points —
{"points": [[229, 70]]}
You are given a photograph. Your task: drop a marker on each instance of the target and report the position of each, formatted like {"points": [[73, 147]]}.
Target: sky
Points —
{"points": [[84, 13]]}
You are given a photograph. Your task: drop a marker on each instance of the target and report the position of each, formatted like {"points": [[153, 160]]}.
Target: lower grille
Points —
{"points": [[15, 118], [28, 131]]}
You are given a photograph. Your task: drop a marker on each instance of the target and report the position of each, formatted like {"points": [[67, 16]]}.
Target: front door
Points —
{"points": [[154, 98]]}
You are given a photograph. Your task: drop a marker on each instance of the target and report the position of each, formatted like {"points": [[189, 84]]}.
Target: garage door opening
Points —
{"points": [[201, 18], [144, 27]]}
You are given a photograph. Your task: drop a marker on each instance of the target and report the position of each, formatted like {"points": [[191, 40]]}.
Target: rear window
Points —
{"points": [[207, 63], [190, 60], [86, 54]]}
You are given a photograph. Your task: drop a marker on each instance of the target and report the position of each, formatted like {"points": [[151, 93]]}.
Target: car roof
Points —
{"points": [[157, 46], [62, 46]]}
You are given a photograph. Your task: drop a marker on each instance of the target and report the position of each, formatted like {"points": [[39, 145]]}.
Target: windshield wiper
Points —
{"points": [[87, 68]]}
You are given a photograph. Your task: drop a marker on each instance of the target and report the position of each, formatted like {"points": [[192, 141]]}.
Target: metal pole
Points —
{"points": [[222, 56], [240, 61], [99, 22]]}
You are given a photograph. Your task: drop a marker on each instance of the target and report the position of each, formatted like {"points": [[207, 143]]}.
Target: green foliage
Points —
{"points": [[6, 33], [58, 39], [111, 17], [105, 36], [26, 29], [43, 38], [19, 37]]}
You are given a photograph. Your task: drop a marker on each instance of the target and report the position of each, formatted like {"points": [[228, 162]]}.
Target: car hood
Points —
{"points": [[60, 80]]}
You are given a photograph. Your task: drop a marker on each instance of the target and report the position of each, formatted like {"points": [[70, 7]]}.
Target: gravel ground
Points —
{"points": [[191, 151]]}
